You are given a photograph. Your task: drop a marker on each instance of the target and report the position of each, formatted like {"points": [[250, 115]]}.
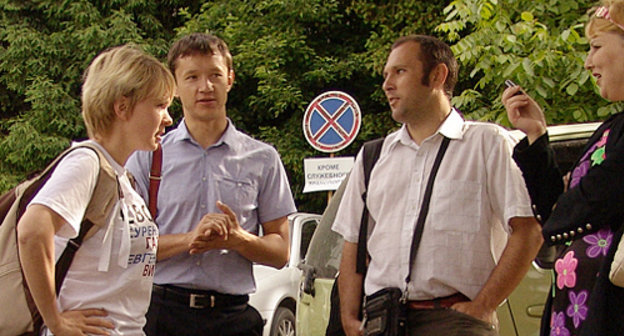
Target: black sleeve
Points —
{"points": [[596, 202], [541, 174]]}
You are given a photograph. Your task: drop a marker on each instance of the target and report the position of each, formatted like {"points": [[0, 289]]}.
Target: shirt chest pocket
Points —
{"points": [[239, 194], [456, 206]]}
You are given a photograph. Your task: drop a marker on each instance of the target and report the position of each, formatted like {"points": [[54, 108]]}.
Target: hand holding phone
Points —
{"points": [[509, 83], [526, 115]]}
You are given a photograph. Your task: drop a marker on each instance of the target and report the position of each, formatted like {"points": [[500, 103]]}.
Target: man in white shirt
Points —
{"points": [[480, 235]]}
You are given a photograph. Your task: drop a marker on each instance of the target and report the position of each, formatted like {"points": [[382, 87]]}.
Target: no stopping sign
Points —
{"points": [[331, 121]]}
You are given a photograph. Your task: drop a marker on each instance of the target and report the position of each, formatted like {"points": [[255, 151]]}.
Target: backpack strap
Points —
{"points": [[154, 181], [370, 152], [105, 195], [66, 258]]}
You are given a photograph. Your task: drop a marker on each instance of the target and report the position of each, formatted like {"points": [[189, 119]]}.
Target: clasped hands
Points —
{"points": [[217, 231]]}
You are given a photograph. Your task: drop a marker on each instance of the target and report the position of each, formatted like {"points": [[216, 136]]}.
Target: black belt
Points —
{"points": [[199, 299]]}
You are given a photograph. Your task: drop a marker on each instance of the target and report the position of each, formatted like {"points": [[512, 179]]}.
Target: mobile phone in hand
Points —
{"points": [[509, 83]]}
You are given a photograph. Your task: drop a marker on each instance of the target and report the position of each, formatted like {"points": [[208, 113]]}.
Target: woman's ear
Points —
{"points": [[122, 108]]}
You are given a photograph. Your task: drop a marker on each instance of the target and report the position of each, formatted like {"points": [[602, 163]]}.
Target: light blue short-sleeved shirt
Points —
{"points": [[244, 173]]}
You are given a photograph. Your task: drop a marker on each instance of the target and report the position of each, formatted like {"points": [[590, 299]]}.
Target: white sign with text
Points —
{"points": [[325, 173]]}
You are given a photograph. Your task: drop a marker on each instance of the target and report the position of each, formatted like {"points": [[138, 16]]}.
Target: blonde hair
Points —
{"points": [[124, 71], [599, 24]]}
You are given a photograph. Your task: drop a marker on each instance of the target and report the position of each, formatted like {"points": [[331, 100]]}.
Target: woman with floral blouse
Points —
{"points": [[584, 218]]}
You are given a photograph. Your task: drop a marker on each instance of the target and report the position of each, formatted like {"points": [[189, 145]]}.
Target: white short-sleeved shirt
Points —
{"points": [[477, 191], [113, 274]]}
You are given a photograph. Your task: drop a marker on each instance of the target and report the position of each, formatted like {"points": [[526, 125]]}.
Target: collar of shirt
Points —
{"points": [[452, 127], [229, 137]]}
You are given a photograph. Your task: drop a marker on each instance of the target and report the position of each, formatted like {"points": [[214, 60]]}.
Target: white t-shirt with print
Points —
{"points": [[113, 269]]}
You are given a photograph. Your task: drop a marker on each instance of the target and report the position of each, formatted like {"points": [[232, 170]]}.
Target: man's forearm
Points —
{"points": [[270, 249], [521, 249], [172, 244], [350, 289]]}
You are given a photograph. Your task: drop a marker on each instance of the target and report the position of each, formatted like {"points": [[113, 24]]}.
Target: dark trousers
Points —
{"points": [[446, 322], [170, 317]]}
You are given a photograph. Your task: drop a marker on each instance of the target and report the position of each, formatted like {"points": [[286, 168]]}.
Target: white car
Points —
{"points": [[277, 290]]}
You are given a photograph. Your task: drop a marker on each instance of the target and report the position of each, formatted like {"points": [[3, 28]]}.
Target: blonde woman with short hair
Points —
{"points": [[107, 288]]}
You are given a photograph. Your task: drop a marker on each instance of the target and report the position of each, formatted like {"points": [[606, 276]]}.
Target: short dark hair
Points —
{"points": [[434, 52], [198, 43]]}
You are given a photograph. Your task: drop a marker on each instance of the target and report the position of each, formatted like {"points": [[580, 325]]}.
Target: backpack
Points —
{"points": [[22, 318], [370, 152]]}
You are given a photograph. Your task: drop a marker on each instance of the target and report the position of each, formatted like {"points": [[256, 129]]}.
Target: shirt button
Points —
{"points": [[539, 218], [203, 206], [203, 179]]}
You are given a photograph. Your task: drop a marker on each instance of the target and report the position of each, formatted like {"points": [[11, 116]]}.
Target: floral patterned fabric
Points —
{"points": [[572, 287]]}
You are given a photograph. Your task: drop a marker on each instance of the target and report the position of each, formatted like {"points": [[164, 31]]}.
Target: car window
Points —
{"points": [[307, 230], [567, 152]]}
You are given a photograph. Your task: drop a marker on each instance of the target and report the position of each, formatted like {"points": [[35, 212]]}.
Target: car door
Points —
{"points": [[319, 267]]}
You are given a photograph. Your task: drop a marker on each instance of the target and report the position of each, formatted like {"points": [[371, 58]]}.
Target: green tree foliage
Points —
{"points": [[44, 48], [286, 52], [538, 44]]}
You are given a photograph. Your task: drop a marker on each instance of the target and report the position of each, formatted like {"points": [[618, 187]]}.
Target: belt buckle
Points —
{"points": [[196, 298]]}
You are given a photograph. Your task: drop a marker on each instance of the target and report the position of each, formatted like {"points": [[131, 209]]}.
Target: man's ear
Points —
{"points": [[122, 108], [438, 75], [230, 79]]}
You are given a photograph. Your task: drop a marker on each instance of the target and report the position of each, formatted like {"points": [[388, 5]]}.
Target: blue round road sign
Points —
{"points": [[331, 121]]}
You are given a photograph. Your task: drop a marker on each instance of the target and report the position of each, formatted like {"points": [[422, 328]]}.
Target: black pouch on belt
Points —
{"points": [[384, 313]]}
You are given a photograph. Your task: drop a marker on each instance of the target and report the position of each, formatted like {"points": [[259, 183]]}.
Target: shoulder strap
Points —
{"points": [[424, 208], [154, 181], [66, 258], [37, 183], [370, 153]]}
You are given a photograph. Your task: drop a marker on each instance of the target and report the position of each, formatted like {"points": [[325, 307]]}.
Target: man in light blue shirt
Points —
{"points": [[218, 187]]}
